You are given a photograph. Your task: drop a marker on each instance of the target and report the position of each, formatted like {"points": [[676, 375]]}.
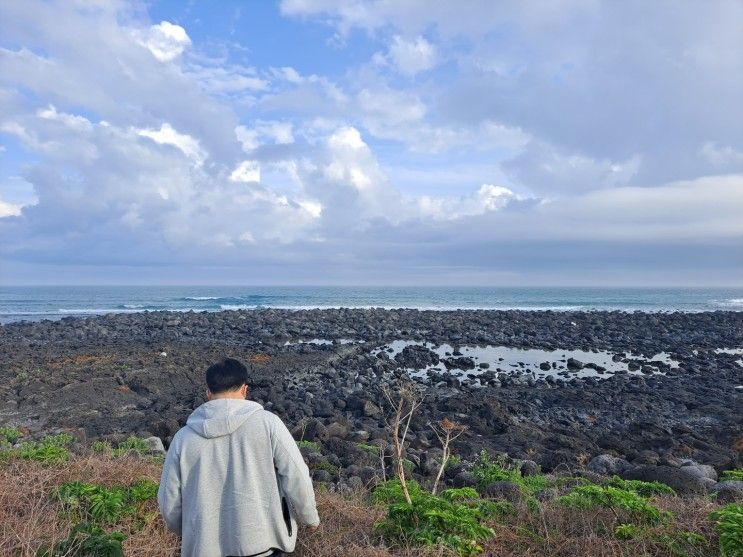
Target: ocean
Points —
{"points": [[34, 303]]}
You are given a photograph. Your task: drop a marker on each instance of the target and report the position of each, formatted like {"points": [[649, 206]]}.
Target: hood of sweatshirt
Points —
{"points": [[221, 417]]}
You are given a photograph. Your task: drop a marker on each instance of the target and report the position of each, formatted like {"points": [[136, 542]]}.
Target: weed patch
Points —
{"points": [[729, 525], [455, 519]]}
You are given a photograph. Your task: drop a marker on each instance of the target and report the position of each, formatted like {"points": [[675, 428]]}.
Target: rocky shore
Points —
{"points": [[650, 395]]}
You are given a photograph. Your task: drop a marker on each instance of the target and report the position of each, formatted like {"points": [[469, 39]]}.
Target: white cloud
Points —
{"points": [[721, 156], [166, 41], [166, 135], [346, 138], [548, 170], [72, 120], [246, 171], [279, 132], [9, 209], [486, 199], [314, 208], [411, 57]]}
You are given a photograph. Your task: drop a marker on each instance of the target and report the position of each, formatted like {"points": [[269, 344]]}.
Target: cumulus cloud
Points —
{"points": [[246, 171], [166, 41], [411, 57], [9, 209], [486, 199], [550, 171], [540, 150], [166, 135]]}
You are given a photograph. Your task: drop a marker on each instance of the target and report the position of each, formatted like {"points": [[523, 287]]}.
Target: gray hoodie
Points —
{"points": [[234, 482]]}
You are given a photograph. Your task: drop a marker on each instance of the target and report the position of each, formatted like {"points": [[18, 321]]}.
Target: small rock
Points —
{"points": [[372, 410], [729, 491], [510, 491], [529, 468], [464, 479], [155, 445], [682, 482], [608, 465]]}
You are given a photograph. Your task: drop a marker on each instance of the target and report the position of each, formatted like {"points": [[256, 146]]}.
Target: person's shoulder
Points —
{"points": [[269, 417]]}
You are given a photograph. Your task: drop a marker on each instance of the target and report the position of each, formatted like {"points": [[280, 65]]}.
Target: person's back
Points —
{"points": [[234, 480]]}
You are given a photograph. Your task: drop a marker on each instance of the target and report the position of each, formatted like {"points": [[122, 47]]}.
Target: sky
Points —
{"points": [[390, 142]]}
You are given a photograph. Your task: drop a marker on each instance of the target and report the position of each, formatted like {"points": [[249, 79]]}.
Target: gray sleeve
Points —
{"points": [[169, 493], [294, 474]]}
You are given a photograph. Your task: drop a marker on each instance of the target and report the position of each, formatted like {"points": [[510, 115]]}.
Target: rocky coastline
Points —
{"points": [[322, 371]]}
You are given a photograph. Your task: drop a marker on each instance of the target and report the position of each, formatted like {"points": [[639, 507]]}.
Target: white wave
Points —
{"points": [[94, 311], [133, 306], [202, 298], [237, 306]]}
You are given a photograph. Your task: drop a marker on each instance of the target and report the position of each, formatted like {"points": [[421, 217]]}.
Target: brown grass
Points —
{"points": [[30, 519], [259, 358]]}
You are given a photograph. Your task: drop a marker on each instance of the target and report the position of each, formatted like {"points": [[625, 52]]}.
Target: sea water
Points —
{"points": [[54, 302]]}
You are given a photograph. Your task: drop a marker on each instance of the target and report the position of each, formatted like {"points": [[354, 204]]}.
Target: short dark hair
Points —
{"points": [[226, 375]]}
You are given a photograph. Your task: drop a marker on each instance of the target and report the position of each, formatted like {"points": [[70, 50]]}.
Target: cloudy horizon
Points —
{"points": [[371, 142]]}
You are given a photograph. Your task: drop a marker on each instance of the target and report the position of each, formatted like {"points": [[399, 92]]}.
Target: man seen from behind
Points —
{"points": [[234, 482]]}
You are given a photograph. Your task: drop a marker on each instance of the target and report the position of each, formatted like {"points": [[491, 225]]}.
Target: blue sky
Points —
{"points": [[371, 142]]}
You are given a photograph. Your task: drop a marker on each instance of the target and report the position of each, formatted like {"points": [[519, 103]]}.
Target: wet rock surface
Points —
{"points": [[144, 374]]}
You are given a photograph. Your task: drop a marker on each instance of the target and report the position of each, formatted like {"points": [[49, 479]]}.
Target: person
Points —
{"points": [[234, 482]]}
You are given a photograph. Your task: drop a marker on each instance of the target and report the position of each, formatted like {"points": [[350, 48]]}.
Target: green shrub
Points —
{"points": [[328, 467], [736, 474], [588, 496], [103, 505], [371, 450], [101, 446], [45, 452], [312, 446], [86, 540], [729, 524], [10, 434], [91, 502], [60, 440], [646, 489], [679, 543], [453, 519], [628, 531], [453, 461], [488, 470], [131, 444]]}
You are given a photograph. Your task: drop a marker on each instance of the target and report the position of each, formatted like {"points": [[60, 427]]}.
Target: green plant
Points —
{"points": [[311, 446], [44, 452], [86, 540], [736, 474], [646, 489], [331, 469], [454, 519], [59, 440], [680, 543], [588, 496], [729, 524], [10, 434], [371, 450], [131, 444], [99, 504], [488, 470], [453, 460], [91, 502], [101, 446], [628, 531]]}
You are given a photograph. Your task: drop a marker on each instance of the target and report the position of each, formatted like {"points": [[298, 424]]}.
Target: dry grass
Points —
{"points": [[348, 529], [562, 532], [30, 519]]}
